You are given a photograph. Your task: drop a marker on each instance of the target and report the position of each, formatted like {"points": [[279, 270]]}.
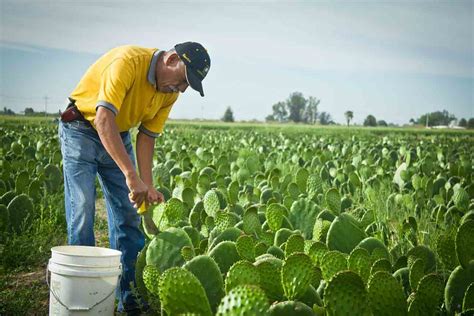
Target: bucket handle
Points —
{"points": [[75, 308]]}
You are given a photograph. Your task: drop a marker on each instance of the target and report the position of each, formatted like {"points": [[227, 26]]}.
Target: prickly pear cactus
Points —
{"points": [[269, 270], [416, 273], [345, 294], [424, 253], [461, 199], [151, 278], [207, 272], [386, 295], [465, 243], [468, 301], [211, 203], [344, 234], [20, 213], [317, 251], [320, 230], [446, 249], [164, 250], [251, 221], [242, 272], [296, 275], [230, 234], [224, 220], [245, 247], [381, 265], [314, 185], [244, 300], [372, 244], [274, 215], [293, 308], [139, 267], [456, 287], [225, 254], [359, 261], [302, 216], [187, 252], [294, 244], [332, 262], [430, 293], [282, 236], [333, 200], [181, 292]]}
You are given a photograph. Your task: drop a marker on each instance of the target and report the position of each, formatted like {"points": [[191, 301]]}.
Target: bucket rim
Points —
{"points": [[67, 250]]}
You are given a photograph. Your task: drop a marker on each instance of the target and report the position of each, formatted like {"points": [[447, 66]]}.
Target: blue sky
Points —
{"points": [[395, 60]]}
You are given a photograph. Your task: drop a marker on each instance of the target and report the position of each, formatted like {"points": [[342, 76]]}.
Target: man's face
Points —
{"points": [[172, 77]]}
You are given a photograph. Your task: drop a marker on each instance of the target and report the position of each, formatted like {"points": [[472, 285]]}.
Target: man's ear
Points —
{"points": [[172, 59]]}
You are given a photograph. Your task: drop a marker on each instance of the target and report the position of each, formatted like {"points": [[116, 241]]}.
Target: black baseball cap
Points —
{"points": [[197, 62]]}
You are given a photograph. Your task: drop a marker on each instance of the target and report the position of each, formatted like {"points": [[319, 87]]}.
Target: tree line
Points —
{"points": [[298, 109]]}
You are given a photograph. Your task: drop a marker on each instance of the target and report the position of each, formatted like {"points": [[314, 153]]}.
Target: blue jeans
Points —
{"points": [[84, 157]]}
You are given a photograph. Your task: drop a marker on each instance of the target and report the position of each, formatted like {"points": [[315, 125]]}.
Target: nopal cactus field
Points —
{"points": [[283, 220]]}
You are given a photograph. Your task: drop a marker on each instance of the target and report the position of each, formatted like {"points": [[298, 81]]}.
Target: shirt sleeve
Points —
{"points": [[115, 81], [155, 126]]}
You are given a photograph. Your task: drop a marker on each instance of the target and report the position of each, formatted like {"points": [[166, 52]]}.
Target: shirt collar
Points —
{"points": [[152, 70]]}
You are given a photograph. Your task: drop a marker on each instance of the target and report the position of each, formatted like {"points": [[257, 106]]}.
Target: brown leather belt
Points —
{"points": [[72, 113]]}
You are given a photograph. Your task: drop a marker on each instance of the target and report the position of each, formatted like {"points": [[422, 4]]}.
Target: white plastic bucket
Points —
{"points": [[83, 280]]}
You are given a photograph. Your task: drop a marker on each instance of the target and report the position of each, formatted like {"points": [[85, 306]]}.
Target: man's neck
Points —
{"points": [[159, 65]]}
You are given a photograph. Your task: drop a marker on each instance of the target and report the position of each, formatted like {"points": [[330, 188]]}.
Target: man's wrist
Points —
{"points": [[131, 174]]}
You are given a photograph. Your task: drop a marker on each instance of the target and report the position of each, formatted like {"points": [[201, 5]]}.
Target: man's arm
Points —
{"points": [[109, 135], [145, 147]]}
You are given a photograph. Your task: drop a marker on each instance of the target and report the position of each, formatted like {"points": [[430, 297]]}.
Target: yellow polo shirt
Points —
{"points": [[123, 81]]}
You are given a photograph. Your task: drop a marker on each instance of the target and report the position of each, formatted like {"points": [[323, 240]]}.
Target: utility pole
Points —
{"points": [[46, 106], [427, 119]]}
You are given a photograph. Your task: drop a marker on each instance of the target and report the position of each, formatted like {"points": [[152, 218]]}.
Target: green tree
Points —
{"points": [[462, 122], [228, 115], [325, 118], [370, 120], [349, 116], [382, 123], [270, 118], [296, 105], [310, 114], [470, 123], [29, 111], [279, 112], [436, 118]]}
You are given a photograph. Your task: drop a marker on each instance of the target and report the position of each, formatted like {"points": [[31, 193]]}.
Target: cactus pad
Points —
{"points": [[181, 292], [245, 248], [331, 263], [360, 262], [274, 215], [225, 254], [269, 271], [345, 294], [242, 272], [207, 272], [416, 273], [294, 244], [386, 295], [211, 203], [465, 243], [333, 200], [296, 275], [244, 300], [456, 287]]}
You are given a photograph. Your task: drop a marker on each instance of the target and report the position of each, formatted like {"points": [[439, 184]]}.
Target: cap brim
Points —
{"points": [[194, 81]]}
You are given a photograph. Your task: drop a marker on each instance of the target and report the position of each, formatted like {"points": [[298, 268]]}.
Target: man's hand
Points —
{"points": [[138, 191], [154, 196]]}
